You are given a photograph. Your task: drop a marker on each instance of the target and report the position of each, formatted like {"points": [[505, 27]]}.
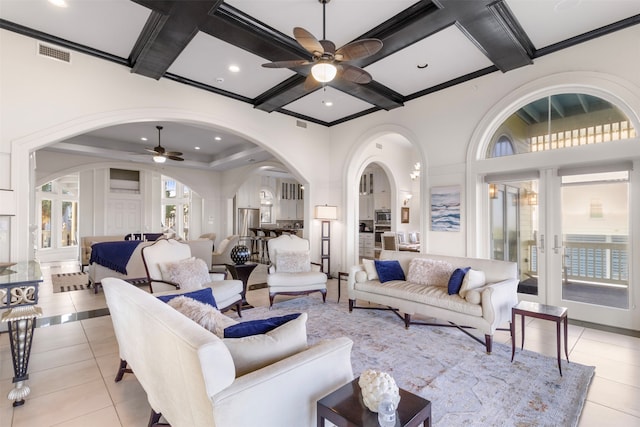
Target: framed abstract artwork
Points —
{"points": [[445, 208]]}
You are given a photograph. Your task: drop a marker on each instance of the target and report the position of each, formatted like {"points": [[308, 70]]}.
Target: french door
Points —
{"points": [[569, 232]]}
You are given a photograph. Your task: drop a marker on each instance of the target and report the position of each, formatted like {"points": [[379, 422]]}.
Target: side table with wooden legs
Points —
{"points": [[540, 311]]}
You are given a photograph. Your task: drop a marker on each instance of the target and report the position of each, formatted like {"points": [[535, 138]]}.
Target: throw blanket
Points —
{"points": [[113, 255]]}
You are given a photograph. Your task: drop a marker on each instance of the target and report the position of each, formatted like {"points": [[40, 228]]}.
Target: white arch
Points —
{"points": [[356, 162], [23, 147]]}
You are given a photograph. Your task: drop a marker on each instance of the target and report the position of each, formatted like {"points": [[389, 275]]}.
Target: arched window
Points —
{"points": [[561, 121], [503, 147]]}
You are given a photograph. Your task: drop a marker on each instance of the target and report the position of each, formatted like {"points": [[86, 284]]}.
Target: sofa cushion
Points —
{"points": [[455, 281], [257, 351], [370, 268], [389, 270], [425, 271], [293, 262], [258, 326], [472, 280], [203, 314], [189, 273], [204, 295]]}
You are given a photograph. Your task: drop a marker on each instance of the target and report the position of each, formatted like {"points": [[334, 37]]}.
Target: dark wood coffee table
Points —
{"points": [[540, 311], [344, 408], [242, 272]]}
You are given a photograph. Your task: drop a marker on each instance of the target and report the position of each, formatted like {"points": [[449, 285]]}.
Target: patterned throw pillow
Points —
{"points": [[203, 314], [426, 271], [189, 273], [293, 262]]}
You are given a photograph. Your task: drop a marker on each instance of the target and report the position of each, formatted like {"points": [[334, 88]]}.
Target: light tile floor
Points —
{"points": [[73, 365]]}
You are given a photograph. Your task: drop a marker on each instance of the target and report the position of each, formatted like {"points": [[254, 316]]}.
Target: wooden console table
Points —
{"points": [[19, 296]]}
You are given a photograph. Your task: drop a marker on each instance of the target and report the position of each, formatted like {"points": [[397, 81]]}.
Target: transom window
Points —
{"points": [[558, 122]]}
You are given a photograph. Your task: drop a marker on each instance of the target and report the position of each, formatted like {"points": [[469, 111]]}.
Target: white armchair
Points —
{"points": [[223, 254], [168, 259], [291, 272]]}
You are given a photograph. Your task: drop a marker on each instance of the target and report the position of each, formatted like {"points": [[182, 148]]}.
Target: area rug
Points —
{"points": [[65, 282], [464, 384]]}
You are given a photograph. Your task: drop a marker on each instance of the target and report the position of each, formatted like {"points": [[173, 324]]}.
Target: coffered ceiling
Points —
{"points": [[427, 46]]}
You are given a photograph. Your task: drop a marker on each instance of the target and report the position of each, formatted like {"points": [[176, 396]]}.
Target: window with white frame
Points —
{"points": [[176, 204], [57, 204]]}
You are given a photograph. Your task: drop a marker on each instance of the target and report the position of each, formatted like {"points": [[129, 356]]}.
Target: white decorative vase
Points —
{"points": [[373, 384]]}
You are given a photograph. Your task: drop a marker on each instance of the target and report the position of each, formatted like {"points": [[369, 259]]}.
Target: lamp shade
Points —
{"points": [[159, 159], [323, 72], [326, 212]]}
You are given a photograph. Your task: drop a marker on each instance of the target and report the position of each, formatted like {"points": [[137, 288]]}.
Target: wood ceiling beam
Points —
{"points": [[168, 30]]}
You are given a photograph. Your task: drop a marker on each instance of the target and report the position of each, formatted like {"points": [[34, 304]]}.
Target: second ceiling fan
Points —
{"points": [[327, 62]]}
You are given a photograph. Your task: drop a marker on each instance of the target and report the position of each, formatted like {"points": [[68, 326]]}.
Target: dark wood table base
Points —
{"points": [[345, 408], [540, 311]]}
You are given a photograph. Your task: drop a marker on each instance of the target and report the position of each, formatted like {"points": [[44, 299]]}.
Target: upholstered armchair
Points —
{"points": [[291, 271], [223, 254], [171, 265]]}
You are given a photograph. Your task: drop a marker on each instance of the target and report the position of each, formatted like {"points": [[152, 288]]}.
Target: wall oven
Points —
{"points": [[382, 216]]}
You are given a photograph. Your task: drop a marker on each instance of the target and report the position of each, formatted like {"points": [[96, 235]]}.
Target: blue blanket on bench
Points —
{"points": [[113, 255]]}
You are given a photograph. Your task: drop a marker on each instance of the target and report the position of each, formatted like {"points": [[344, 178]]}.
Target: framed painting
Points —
{"points": [[404, 215], [445, 208]]}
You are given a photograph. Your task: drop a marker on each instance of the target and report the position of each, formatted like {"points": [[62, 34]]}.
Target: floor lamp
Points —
{"points": [[326, 214]]}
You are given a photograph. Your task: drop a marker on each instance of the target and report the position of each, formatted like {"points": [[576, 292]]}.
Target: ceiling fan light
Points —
{"points": [[159, 159], [324, 72]]}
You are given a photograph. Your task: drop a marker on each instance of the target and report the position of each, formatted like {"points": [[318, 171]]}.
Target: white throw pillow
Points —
{"points": [[257, 351], [203, 314], [426, 271], [293, 262], [472, 280], [190, 273], [370, 267], [473, 296]]}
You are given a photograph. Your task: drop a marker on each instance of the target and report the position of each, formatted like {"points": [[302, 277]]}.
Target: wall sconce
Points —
{"points": [[408, 199], [493, 191], [416, 172], [532, 198]]}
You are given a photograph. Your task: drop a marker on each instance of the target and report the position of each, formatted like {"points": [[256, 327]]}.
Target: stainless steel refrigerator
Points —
{"points": [[247, 218]]}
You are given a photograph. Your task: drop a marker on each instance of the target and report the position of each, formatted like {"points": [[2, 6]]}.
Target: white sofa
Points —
{"points": [[189, 375], [495, 299]]}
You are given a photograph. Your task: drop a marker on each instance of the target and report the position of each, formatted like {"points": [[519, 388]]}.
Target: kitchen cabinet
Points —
{"points": [[366, 207]]}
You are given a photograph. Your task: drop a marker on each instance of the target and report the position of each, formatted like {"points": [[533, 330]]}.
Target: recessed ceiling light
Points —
{"points": [[234, 68], [59, 3], [217, 138], [144, 138], [196, 148]]}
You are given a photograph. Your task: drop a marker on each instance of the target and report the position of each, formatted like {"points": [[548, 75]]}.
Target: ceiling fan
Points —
{"points": [[327, 62], [160, 155]]}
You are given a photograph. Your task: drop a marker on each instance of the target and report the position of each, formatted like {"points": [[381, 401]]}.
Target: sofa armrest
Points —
{"points": [[497, 300], [353, 275], [285, 393], [163, 286]]}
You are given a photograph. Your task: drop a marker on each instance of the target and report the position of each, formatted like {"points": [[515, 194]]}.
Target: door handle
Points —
{"points": [[555, 244]]}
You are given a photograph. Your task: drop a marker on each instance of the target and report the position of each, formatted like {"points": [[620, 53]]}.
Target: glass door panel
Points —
{"points": [[595, 239]]}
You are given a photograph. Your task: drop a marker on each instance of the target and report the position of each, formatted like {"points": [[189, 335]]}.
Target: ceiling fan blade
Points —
{"points": [[286, 64], [328, 46], [358, 49], [353, 74], [151, 150], [308, 41], [179, 159], [172, 153], [310, 83]]}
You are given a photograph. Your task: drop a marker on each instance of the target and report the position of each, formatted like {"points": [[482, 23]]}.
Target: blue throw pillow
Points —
{"points": [[455, 281], [389, 270], [257, 327], [204, 295]]}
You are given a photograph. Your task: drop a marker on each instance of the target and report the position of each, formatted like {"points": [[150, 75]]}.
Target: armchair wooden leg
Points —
{"points": [[324, 295], [351, 304], [154, 419], [488, 339], [271, 298], [122, 370], [239, 308]]}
